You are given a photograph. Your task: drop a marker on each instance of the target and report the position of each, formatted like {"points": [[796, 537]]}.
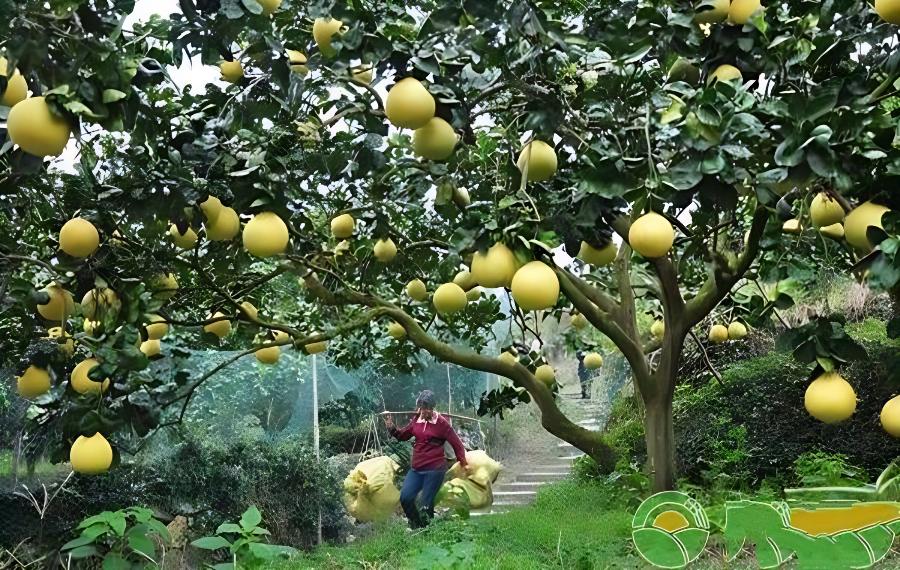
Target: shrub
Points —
{"points": [[625, 432], [821, 469], [339, 439]]}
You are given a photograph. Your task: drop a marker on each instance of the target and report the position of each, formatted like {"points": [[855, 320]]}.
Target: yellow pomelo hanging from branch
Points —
{"points": [[156, 327], [449, 298], [834, 231], [711, 11], [396, 331], [323, 30], [16, 87], [60, 305], [435, 140], [890, 416], [495, 268], [248, 311], [725, 72], [268, 355], [186, 240], [830, 398], [266, 235], [889, 10], [416, 290], [297, 61], [597, 256], [385, 250], [658, 329], [858, 221], [98, 304], [164, 286], [740, 11], [269, 6], [226, 226], [409, 105], [535, 287], [545, 374], [651, 235], [151, 348], [343, 226], [211, 208], [82, 383], [540, 159], [79, 238], [232, 71], [33, 126], [219, 328], [91, 455], [34, 382], [825, 211], [67, 346]]}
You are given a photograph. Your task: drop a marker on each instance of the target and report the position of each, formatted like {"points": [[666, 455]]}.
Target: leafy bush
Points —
{"points": [[247, 547], [821, 469], [625, 432], [339, 439], [122, 539]]}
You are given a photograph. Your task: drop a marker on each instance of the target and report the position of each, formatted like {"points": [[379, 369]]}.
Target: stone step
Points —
{"points": [[564, 444], [560, 466], [514, 493], [572, 457], [513, 502], [525, 484], [543, 476]]}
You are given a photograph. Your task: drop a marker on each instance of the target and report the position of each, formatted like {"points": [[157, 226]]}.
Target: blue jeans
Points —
{"points": [[427, 483]]}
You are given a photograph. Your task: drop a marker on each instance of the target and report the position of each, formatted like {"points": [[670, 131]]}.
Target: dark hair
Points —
{"points": [[425, 399]]}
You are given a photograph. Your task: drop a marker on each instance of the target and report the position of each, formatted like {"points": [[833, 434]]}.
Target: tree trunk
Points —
{"points": [[660, 437]]}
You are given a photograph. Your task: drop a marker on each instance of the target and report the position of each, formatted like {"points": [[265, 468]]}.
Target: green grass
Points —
{"points": [[569, 526]]}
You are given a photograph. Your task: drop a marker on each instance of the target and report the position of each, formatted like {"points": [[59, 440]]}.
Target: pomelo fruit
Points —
{"points": [[889, 10], [186, 240], [98, 304], [232, 71], [416, 290], [658, 329], [82, 383], [825, 210], [449, 298], [857, 222], [266, 235], [343, 226], [508, 357], [545, 374], [156, 326], [711, 11], [651, 235], [16, 87], [579, 321], [91, 328], [830, 398], [323, 31], [269, 6], [151, 348], [890, 416], [362, 74], [461, 197], [792, 226], [211, 208], [409, 104], [396, 331], [736, 330], [718, 334], [465, 280], [226, 226], [385, 250], [34, 382], [725, 72], [495, 268], [79, 238], [219, 328], [248, 311], [473, 294], [68, 346], [740, 11], [535, 287], [268, 355], [683, 70], [316, 347], [834, 231], [33, 126], [435, 140], [164, 286], [91, 455], [541, 160], [297, 61], [592, 361], [597, 256], [60, 305]]}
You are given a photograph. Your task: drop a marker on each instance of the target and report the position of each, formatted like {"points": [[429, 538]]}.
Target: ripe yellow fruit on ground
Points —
{"points": [[80, 381], [740, 11], [219, 328], [297, 60], [508, 357], [211, 208], [857, 222], [889, 10], [79, 238], [792, 226], [266, 235], [545, 374], [60, 305], [465, 280], [185, 240], [316, 347], [396, 331], [91, 455], [718, 334], [712, 11], [830, 398], [409, 104], [736, 330], [68, 346], [323, 30], [541, 160], [16, 87], [597, 256], [156, 327], [449, 298], [495, 268], [535, 287], [362, 74], [164, 286], [651, 235], [825, 210], [269, 6], [33, 127], [416, 290], [890, 416], [658, 329], [435, 140], [34, 382], [232, 71], [473, 294], [343, 226], [249, 311], [725, 72], [592, 361], [268, 355], [834, 231], [226, 226], [97, 304], [385, 250], [151, 348]]}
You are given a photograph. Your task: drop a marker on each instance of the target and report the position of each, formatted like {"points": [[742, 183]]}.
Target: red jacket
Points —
{"points": [[428, 450]]}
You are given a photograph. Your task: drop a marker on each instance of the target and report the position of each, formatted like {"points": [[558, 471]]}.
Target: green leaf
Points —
{"points": [[83, 552], [142, 544], [269, 551], [113, 561], [113, 95], [211, 543], [826, 363], [76, 542], [251, 518], [228, 527]]}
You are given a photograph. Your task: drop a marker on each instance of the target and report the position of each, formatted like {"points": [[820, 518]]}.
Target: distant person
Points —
{"points": [[428, 465], [584, 377]]}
